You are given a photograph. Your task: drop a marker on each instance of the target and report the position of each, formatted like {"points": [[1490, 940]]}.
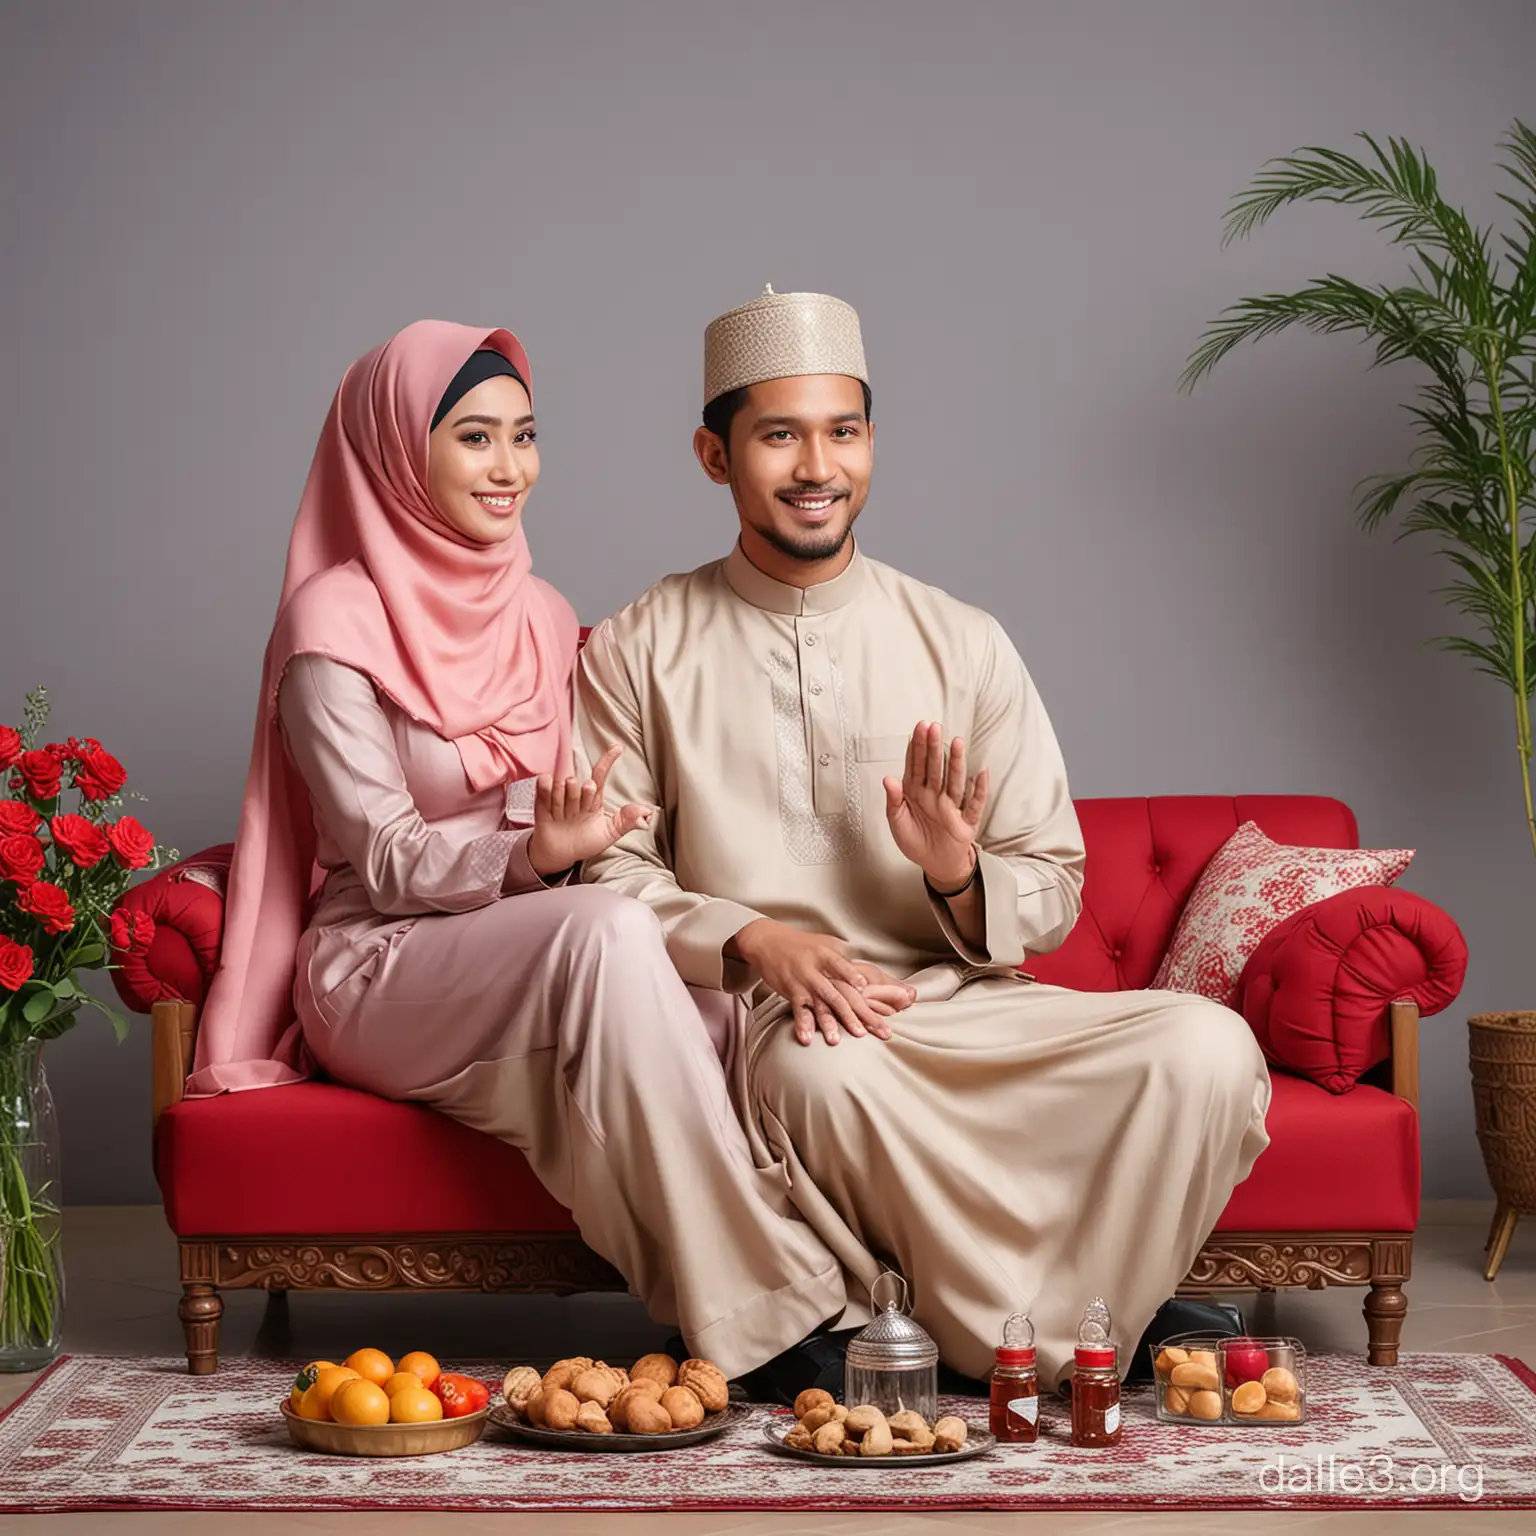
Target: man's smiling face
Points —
{"points": [[799, 462]]}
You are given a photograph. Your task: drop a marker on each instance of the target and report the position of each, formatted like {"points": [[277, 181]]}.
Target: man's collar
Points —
{"points": [[762, 591]]}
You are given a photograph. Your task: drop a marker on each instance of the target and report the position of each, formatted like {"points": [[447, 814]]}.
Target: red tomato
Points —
{"points": [[457, 1395], [1247, 1360]]}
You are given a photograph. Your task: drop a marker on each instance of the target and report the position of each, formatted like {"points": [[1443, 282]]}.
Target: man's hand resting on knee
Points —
{"points": [[823, 987]]}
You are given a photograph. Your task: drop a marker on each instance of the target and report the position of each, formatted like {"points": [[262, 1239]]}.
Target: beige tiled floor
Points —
{"points": [[122, 1300]]}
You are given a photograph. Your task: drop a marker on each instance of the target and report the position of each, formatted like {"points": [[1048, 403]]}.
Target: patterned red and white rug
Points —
{"points": [[1436, 1431]]}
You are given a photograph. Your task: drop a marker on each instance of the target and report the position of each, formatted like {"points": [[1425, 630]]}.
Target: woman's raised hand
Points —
{"points": [[571, 822]]}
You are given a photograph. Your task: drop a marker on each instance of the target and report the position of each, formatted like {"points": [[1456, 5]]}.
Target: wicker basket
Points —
{"points": [[1503, 1050]]}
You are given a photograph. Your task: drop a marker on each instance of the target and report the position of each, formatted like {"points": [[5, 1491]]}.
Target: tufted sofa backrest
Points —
{"points": [[1145, 857]]}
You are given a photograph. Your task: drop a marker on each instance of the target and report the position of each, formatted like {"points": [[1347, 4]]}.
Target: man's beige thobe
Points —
{"points": [[1013, 1145]]}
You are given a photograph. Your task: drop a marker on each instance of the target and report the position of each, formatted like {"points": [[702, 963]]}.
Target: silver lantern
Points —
{"points": [[892, 1365]]}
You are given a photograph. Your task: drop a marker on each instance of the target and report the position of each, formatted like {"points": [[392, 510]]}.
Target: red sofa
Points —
{"points": [[265, 1188]]}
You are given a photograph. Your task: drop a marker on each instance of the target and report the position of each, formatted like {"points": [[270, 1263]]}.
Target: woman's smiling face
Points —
{"points": [[483, 460]]}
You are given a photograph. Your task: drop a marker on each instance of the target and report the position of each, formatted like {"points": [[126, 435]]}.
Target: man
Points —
{"points": [[864, 832]]}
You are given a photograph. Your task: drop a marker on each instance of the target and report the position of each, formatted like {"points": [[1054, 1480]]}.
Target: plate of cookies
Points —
{"points": [[658, 1404], [825, 1431]]}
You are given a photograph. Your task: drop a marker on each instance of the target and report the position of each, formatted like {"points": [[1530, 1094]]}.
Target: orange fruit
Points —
{"points": [[414, 1405], [306, 1379], [360, 1402], [372, 1365], [398, 1380], [422, 1366], [316, 1402]]}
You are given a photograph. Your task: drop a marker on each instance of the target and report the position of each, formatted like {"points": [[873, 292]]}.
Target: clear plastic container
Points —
{"points": [[1187, 1369], [1247, 1379], [1264, 1381]]}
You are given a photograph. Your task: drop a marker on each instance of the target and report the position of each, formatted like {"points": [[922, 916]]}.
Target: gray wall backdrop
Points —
{"points": [[210, 209]]}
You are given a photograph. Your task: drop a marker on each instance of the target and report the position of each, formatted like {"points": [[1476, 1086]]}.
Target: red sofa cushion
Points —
{"points": [[317, 1158], [1335, 1163]]}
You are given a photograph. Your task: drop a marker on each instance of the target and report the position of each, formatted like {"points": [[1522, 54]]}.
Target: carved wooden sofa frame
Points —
{"points": [[560, 1263]]}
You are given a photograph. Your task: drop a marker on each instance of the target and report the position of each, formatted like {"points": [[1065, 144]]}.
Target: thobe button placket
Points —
{"points": [[824, 737]]}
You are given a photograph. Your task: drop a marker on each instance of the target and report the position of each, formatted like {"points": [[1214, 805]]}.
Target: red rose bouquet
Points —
{"points": [[62, 871]]}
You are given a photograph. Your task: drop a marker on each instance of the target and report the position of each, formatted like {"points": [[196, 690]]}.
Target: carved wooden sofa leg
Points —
{"points": [[200, 1311], [1385, 1304], [1385, 1308]]}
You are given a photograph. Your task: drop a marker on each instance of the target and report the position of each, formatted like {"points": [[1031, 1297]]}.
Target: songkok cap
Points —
{"points": [[782, 336]]}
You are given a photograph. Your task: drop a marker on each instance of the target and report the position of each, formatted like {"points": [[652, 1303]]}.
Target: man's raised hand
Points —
{"points": [[934, 810]]}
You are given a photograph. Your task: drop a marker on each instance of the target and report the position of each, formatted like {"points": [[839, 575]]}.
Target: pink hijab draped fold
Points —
{"points": [[462, 636]]}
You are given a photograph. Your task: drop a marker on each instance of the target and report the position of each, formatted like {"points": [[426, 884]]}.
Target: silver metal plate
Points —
{"points": [[580, 1440], [978, 1443]]}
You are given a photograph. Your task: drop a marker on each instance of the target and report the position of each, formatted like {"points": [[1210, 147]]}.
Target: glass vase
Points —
{"points": [[31, 1248]]}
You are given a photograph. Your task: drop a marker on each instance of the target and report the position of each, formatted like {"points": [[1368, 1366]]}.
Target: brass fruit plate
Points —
{"points": [[385, 1439], [580, 1440], [978, 1443]]}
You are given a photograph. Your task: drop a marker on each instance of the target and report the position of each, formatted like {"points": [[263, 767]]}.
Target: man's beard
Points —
{"points": [[811, 547]]}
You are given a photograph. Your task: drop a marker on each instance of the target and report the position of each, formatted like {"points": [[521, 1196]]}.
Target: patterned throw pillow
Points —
{"points": [[1250, 886]]}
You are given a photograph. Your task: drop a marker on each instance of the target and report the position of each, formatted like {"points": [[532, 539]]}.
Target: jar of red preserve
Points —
{"points": [[1015, 1405], [1095, 1381]]}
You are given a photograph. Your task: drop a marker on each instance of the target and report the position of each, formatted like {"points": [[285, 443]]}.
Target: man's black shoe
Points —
{"points": [[953, 1384], [813, 1362], [1183, 1314]]}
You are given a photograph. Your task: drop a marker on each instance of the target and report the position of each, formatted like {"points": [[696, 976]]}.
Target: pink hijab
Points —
{"points": [[462, 636]]}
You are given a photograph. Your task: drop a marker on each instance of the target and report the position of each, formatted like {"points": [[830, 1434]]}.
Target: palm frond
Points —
{"points": [[1402, 327], [1485, 660], [1382, 493], [1521, 147], [1399, 192]]}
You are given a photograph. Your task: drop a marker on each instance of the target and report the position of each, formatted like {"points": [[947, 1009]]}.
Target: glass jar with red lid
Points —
{"points": [[1095, 1381], [1014, 1418]]}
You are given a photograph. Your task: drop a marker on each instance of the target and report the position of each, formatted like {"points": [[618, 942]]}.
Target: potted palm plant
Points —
{"points": [[1466, 316]]}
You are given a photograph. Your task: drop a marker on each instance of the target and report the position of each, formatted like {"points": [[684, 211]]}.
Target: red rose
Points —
{"points": [[21, 859], [17, 818], [15, 963], [49, 905], [99, 774], [132, 932], [10, 746], [82, 840], [42, 772], [131, 844]]}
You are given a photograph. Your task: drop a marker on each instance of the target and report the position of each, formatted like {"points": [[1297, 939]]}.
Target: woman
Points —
{"points": [[414, 741]]}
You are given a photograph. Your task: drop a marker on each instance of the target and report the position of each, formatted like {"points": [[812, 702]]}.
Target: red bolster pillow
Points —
{"points": [[186, 904], [1316, 990]]}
